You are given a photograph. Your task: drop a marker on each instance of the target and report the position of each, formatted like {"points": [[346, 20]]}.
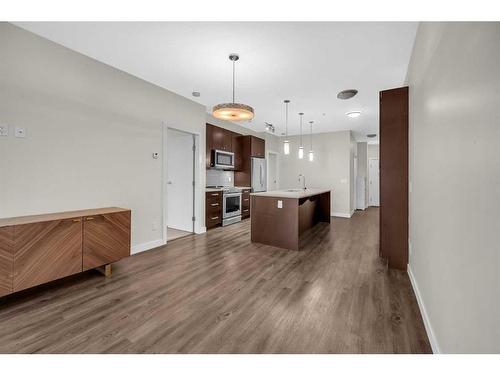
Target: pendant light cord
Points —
{"points": [[311, 133], [286, 120], [301, 129], [233, 81]]}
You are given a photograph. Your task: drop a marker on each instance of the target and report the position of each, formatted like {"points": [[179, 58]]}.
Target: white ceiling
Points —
{"points": [[306, 62]]}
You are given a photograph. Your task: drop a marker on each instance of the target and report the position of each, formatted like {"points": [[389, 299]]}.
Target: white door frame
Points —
{"points": [[369, 189], [277, 167], [198, 169]]}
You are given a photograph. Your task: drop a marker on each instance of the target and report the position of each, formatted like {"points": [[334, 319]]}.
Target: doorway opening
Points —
{"points": [[272, 171], [374, 182], [180, 183]]}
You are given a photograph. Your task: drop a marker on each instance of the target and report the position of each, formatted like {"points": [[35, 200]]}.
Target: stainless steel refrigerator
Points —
{"points": [[259, 175]]}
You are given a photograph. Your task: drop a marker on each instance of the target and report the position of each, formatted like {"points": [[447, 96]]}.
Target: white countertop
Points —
{"points": [[212, 189], [309, 192]]}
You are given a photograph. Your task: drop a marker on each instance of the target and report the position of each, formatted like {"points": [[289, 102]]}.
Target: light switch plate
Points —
{"points": [[280, 204], [4, 130], [20, 132]]}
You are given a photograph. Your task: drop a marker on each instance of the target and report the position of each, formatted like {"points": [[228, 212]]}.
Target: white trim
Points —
{"points": [[200, 230], [341, 214], [139, 248], [423, 312]]}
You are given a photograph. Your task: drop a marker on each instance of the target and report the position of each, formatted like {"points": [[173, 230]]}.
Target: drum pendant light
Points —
{"points": [[233, 111], [286, 142], [301, 148]]}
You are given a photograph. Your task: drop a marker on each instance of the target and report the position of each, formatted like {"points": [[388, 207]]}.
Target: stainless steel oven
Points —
{"points": [[231, 206], [222, 159]]}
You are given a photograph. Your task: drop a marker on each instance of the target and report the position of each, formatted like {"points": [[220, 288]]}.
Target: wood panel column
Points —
{"points": [[394, 177]]}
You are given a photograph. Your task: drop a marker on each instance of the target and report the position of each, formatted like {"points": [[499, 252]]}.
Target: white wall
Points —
{"points": [[363, 166], [179, 180], [91, 131], [454, 80], [330, 168], [373, 153]]}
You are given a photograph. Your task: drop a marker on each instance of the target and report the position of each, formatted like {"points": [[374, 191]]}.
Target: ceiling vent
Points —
{"points": [[371, 135], [347, 94]]}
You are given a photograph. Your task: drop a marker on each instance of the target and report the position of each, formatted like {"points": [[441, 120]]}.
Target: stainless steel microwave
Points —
{"points": [[222, 159]]}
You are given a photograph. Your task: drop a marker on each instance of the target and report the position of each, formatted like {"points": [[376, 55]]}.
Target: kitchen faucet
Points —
{"points": [[303, 180]]}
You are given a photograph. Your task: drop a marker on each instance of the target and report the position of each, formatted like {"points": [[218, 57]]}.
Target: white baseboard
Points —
{"points": [[341, 214], [139, 248], [200, 230], [423, 312]]}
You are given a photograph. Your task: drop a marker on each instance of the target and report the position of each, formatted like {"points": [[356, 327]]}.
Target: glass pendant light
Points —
{"points": [[233, 111], [311, 152], [286, 142], [301, 148]]}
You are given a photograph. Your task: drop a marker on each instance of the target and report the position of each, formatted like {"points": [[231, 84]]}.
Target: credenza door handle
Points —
{"points": [[89, 218], [216, 217]]}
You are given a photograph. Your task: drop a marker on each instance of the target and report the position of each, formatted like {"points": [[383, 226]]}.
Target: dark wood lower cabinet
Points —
{"points": [[213, 209], [46, 251], [245, 203], [6, 259], [106, 239], [41, 248]]}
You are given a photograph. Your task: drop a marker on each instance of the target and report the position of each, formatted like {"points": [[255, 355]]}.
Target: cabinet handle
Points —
{"points": [[213, 218], [76, 220], [245, 210], [215, 194], [89, 218], [245, 199], [214, 204]]}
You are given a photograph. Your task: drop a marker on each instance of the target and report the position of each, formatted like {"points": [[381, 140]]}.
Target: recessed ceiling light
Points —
{"points": [[196, 94], [353, 114], [347, 94], [371, 135]]}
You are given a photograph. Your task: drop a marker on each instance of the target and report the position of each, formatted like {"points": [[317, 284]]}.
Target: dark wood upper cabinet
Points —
{"points": [[237, 149], [221, 139], [257, 148], [209, 144], [394, 177]]}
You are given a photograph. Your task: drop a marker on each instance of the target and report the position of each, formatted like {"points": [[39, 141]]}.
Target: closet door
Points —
{"points": [[46, 251], [394, 177]]}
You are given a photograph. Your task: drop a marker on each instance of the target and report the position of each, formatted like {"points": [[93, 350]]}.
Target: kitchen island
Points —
{"points": [[280, 217]]}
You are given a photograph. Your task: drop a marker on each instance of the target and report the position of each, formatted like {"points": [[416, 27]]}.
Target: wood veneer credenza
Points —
{"points": [[37, 249]]}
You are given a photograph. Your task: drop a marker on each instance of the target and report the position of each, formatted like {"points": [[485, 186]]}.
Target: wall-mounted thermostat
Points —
{"points": [[156, 155]]}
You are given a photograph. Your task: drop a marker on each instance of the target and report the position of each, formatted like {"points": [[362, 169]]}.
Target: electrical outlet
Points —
{"points": [[4, 130]]}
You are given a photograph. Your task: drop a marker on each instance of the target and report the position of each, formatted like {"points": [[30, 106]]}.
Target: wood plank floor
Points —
{"points": [[220, 293]]}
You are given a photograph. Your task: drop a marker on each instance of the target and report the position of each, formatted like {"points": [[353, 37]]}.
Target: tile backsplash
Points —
{"points": [[216, 177]]}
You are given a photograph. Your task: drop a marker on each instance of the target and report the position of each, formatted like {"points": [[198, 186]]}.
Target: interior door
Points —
{"points": [[374, 184], [46, 251], [180, 179], [106, 239], [272, 180]]}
